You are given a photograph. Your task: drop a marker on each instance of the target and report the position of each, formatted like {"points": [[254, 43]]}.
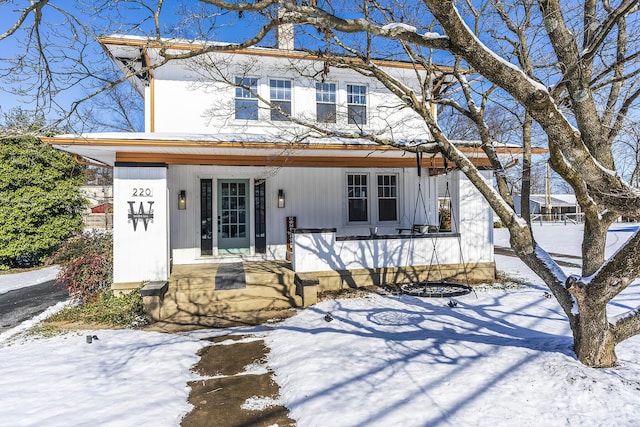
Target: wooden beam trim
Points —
{"points": [[257, 145], [209, 144], [279, 161]]}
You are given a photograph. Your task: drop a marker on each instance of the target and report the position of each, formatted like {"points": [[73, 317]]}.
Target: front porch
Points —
{"points": [[273, 289]]}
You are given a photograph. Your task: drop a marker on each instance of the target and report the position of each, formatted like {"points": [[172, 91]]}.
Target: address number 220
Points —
{"points": [[142, 192]]}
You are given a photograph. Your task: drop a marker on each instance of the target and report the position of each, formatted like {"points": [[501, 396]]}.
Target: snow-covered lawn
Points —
{"points": [[125, 378], [501, 357]]}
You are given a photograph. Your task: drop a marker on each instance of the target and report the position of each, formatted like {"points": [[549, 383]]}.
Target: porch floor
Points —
{"points": [[192, 300]]}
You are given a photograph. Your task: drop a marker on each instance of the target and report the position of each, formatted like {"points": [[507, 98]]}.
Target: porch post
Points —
{"points": [[140, 224]]}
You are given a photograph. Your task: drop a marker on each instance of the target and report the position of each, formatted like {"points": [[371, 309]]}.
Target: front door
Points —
{"points": [[233, 215]]}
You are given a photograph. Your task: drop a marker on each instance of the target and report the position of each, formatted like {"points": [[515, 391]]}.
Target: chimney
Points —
{"points": [[284, 33]]}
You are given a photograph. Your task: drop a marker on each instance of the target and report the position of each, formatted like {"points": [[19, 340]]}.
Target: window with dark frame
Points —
{"points": [[357, 198], [357, 104], [387, 198], [246, 104], [280, 96], [326, 102]]}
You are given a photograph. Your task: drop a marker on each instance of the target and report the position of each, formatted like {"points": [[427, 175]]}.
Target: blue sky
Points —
{"points": [[123, 17], [127, 18]]}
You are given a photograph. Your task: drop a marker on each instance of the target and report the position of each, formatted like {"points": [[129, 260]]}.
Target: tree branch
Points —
{"points": [[35, 7], [627, 326]]}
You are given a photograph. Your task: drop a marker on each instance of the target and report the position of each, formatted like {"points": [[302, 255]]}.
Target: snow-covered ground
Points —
{"points": [[501, 357]]}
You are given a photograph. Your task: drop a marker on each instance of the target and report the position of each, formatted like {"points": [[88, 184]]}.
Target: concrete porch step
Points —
{"points": [[192, 293], [209, 294], [242, 302], [219, 308], [182, 321], [189, 283], [256, 273]]}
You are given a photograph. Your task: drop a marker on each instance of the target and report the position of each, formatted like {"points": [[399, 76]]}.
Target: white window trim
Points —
{"points": [[373, 215], [346, 198], [398, 197], [258, 94], [337, 103], [267, 84], [367, 105]]}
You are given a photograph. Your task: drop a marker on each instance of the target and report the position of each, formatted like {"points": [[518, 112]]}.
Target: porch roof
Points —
{"points": [[257, 150]]}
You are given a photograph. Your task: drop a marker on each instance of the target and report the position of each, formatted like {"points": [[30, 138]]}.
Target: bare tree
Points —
{"points": [[578, 89], [569, 69], [51, 64], [627, 149]]}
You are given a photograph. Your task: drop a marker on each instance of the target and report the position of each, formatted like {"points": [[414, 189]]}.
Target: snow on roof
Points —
{"points": [[557, 200], [137, 42], [230, 137]]}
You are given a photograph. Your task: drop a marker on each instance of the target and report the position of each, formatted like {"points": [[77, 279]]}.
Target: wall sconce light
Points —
{"points": [[182, 200], [281, 198]]}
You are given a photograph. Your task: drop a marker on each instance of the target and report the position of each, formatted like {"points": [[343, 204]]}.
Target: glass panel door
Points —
{"points": [[206, 217], [233, 215]]}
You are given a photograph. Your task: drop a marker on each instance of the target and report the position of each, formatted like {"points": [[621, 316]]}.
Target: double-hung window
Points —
{"points": [[246, 99], [387, 197], [357, 198], [326, 102], [280, 97], [357, 104]]}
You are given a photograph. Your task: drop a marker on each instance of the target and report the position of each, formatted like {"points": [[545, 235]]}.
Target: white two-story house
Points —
{"points": [[219, 175]]}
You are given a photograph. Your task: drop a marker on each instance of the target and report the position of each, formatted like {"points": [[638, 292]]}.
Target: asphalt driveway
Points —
{"points": [[19, 305]]}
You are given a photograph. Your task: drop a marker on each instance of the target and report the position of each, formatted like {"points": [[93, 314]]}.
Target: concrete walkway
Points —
{"points": [[240, 390]]}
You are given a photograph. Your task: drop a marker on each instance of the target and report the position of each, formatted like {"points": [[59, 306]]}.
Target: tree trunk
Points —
{"points": [[594, 341], [593, 245]]}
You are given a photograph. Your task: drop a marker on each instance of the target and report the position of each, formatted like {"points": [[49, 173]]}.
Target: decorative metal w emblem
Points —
{"points": [[146, 217]]}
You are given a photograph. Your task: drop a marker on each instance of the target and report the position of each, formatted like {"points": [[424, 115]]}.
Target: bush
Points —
{"points": [[86, 265], [107, 309]]}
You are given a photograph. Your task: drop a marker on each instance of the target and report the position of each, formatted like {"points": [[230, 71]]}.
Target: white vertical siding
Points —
{"points": [[140, 254], [310, 254], [190, 97], [315, 196], [323, 252], [476, 221]]}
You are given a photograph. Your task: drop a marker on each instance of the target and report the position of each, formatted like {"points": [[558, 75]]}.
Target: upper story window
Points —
{"points": [[246, 99], [326, 102], [387, 197], [357, 198], [357, 104], [280, 96]]}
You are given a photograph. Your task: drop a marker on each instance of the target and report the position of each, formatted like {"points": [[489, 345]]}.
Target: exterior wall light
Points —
{"points": [[281, 198], [182, 200]]}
